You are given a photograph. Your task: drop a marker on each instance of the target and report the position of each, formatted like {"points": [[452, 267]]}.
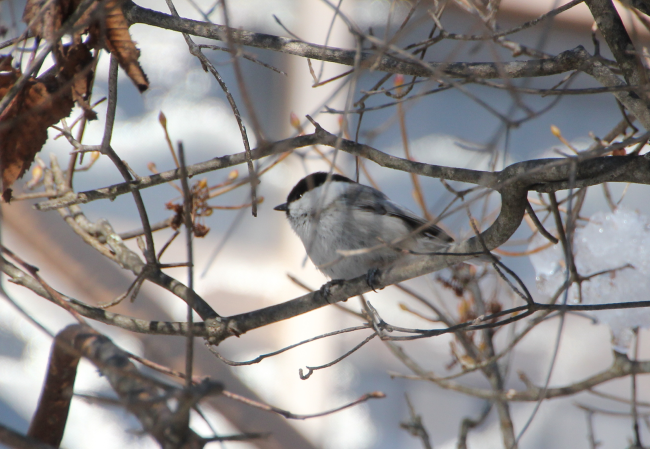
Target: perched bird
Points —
{"points": [[350, 229]]}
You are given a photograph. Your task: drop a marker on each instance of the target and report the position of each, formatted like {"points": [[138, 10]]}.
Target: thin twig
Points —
{"points": [[188, 202], [207, 65], [538, 224], [280, 351], [311, 369], [106, 148], [290, 415]]}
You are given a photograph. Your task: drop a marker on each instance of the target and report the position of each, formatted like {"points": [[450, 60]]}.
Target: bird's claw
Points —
{"points": [[325, 290], [373, 279]]}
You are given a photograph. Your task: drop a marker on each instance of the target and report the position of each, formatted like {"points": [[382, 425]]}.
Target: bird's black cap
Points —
{"points": [[310, 183], [306, 184]]}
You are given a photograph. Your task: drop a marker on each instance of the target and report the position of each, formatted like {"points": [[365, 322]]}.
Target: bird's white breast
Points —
{"points": [[326, 224]]}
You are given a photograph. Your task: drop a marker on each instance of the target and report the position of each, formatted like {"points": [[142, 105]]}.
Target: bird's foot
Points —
{"points": [[326, 288], [373, 279]]}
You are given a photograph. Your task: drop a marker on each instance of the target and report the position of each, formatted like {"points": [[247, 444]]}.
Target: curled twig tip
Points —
{"points": [[305, 376]]}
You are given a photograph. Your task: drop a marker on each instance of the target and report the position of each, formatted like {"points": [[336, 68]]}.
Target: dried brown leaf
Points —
{"points": [[119, 42], [200, 230], [177, 221], [112, 33], [76, 70], [49, 23], [24, 123]]}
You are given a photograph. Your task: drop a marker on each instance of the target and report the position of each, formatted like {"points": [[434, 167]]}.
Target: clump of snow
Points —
{"points": [[610, 241]]}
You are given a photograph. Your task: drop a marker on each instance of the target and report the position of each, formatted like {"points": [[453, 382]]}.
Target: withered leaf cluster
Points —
{"points": [[199, 194], [24, 123], [47, 98]]}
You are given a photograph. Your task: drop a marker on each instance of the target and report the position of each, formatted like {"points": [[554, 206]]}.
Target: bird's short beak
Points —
{"points": [[282, 207]]}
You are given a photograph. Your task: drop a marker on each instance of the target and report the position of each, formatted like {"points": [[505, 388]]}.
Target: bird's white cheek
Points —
{"points": [[300, 224]]}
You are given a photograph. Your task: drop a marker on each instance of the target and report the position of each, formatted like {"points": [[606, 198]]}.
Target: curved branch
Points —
{"points": [[512, 212], [563, 62]]}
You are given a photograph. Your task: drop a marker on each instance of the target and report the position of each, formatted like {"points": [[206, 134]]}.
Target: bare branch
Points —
{"points": [[290, 415], [564, 62]]}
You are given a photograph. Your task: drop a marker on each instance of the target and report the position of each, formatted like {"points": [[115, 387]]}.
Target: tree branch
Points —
{"points": [[563, 62], [542, 175]]}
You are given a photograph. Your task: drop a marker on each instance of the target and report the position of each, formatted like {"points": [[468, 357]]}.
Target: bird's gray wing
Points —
{"points": [[367, 198]]}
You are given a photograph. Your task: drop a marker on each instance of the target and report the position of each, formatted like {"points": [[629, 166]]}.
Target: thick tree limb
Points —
{"points": [[619, 42], [139, 395]]}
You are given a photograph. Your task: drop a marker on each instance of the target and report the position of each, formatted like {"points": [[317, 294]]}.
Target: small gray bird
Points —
{"points": [[350, 229]]}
